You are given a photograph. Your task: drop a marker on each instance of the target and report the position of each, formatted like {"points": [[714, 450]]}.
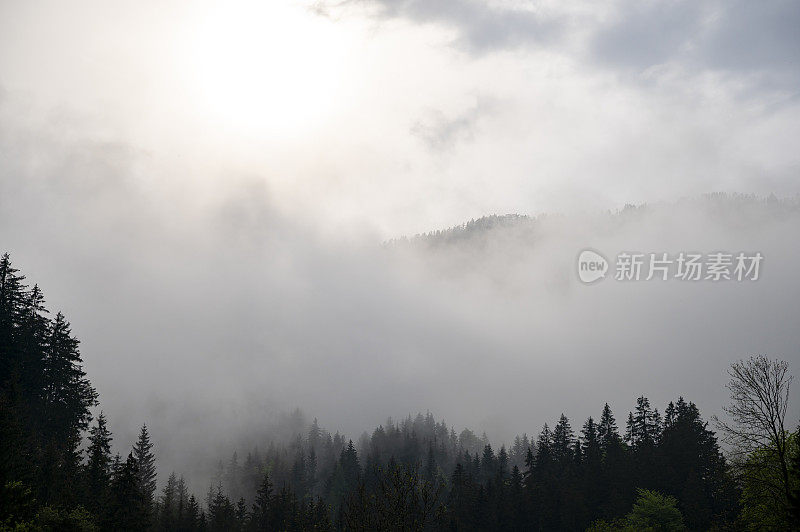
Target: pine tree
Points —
{"points": [[488, 463], [516, 496], [12, 295], [221, 513], [592, 467], [32, 338], [694, 468], [462, 499], [191, 518], [65, 396], [669, 415], [169, 504], [146, 466], [645, 426], [590, 442], [502, 463], [128, 507], [630, 430], [98, 467], [181, 502], [563, 440], [314, 435], [67, 392], [350, 466], [241, 514], [261, 514], [607, 431]]}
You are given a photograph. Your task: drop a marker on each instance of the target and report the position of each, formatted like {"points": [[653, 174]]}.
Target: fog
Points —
{"points": [[209, 320], [220, 276]]}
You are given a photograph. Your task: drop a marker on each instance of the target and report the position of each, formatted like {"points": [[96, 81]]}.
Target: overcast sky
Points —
{"points": [[202, 187], [411, 115]]}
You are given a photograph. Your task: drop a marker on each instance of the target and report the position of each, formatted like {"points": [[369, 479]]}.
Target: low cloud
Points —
{"points": [[480, 26], [206, 317], [758, 41]]}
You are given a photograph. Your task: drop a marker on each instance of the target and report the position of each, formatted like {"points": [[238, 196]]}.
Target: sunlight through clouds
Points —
{"points": [[267, 68]]}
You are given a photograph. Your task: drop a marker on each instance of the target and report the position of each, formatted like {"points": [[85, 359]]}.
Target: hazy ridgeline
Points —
{"points": [[485, 322], [209, 340]]}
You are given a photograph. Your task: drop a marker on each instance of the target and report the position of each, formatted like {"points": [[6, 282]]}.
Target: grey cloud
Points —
{"points": [[734, 36], [481, 26], [757, 38], [649, 33]]}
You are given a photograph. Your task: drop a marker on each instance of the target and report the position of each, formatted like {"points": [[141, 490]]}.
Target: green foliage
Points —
{"points": [[794, 470], [618, 525], [656, 512], [58, 520], [763, 500], [17, 504]]}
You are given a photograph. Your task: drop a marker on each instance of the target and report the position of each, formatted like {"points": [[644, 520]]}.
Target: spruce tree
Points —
{"points": [[607, 431], [146, 466], [241, 514], [645, 428], [128, 507], [191, 518], [67, 392], [563, 439], [261, 514], [12, 295], [98, 466], [350, 466], [169, 504], [67, 396], [181, 501]]}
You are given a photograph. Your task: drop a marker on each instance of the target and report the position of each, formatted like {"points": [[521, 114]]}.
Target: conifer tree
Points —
{"points": [[502, 463], [128, 507], [99, 465], [12, 294], [645, 427], [241, 514], [67, 392], [261, 515], [563, 439], [221, 513], [191, 518], [181, 501], [169, 503], [607, 430], [146, 466], [350, 466]]}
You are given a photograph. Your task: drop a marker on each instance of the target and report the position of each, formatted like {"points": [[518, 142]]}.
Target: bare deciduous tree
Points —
{"points": [[759, 400]]}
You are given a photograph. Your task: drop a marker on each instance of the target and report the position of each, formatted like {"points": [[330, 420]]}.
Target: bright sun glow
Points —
{"points": [[268, 68]]}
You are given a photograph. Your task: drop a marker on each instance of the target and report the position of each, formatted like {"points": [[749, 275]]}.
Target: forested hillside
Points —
{"points": [[60, 469]]}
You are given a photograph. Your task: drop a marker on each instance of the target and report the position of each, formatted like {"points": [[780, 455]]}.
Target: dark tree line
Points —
{"points": [[58, 470]]}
